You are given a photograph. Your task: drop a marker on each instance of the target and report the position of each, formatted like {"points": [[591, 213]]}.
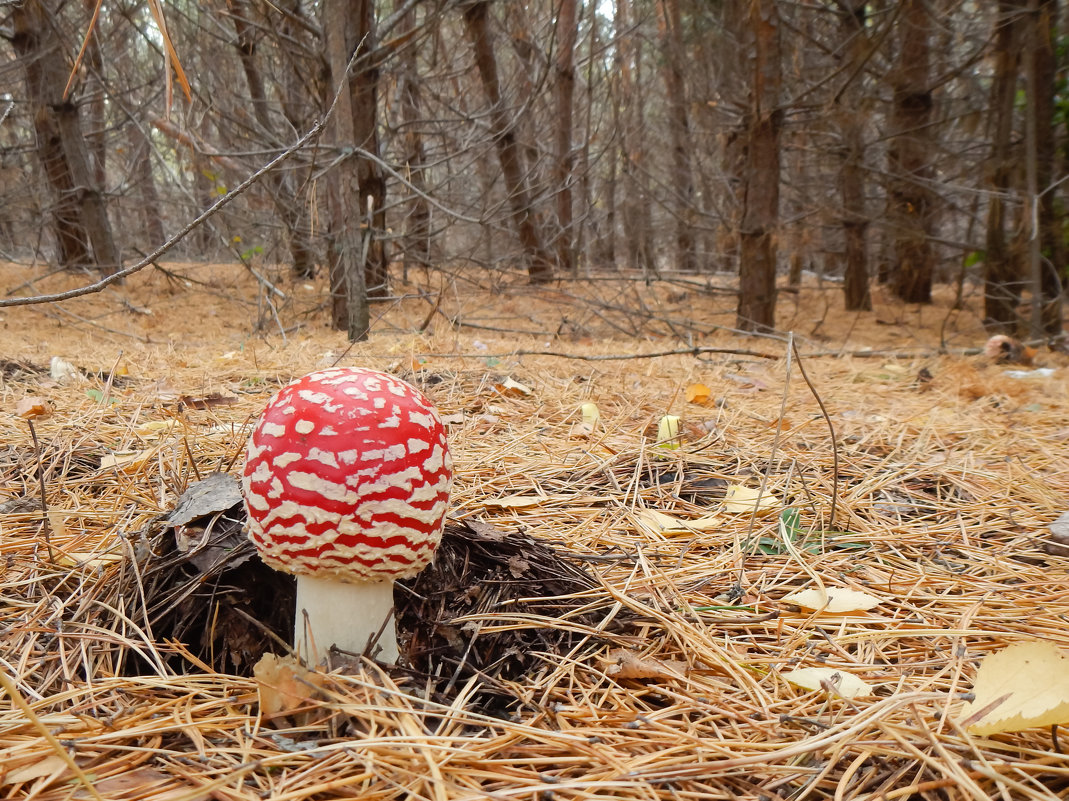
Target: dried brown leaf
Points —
{"points": [[32, 408], [624, 664]]}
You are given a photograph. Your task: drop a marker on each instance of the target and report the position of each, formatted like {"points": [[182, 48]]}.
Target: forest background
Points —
{"points": [[907, 143]]}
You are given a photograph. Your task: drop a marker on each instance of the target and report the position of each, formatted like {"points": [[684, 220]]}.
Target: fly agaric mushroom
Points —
{"points": [[346, 483]]}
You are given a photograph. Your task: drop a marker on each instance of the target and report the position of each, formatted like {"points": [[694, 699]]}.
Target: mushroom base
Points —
{"points": [[347, 616]]}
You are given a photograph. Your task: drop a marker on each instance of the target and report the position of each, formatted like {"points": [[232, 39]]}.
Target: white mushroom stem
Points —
{"points": [[344, 615]]}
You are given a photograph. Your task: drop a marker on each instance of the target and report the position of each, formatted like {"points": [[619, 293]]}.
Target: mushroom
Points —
{"points": [[346, 484]]}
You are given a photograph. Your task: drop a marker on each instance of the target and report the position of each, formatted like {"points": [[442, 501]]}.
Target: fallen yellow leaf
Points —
{"points": [[743, 499], [513, 388], [52, 765], [814, 678], [591, 414], [127, 461], [88, 559], [154, 429], [835, 600], [515, 501], [1024, 685], [668, 432], [662, 523]]}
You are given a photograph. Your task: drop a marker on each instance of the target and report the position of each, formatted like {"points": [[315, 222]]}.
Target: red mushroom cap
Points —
{"points": [[347, 476]]}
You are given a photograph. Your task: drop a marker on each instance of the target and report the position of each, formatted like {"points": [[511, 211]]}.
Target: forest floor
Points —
{"points": [[915, 498]]}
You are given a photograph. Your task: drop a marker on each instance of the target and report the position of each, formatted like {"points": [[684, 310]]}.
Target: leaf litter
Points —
{"points": [[570, 643]]}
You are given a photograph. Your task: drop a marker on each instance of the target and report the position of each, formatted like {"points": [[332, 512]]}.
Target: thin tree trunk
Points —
{"points": [[72, 240], [1051, 238], [540, 265], [679, 132], [80, 215], [305, 73], [1002, 270], [278, 184], [416, 249], [205, 184], [608, 238], [640, 217], [910, 197], [95, 108], [364, 93], [145, 185], [94, 212], [627, 111], [565, 94], [855, 221], [348, 289], [585, 250], [760, 213]]}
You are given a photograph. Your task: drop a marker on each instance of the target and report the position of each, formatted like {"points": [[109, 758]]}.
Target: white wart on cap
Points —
{"points": [[346, 483]]}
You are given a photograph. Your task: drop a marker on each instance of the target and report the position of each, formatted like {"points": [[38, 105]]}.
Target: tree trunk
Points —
{"points": [[637, 206], [348, 288], [416, 248], [587, 243], [278, 183], [1051, 241], [760, 206], [910, 198], [565, 93], [80, 215], [96, 118], [145, 184], [671, 24], [1002, 268], [627, 113], [364, 94], [205, 192], [855, 221], [540, 265]]}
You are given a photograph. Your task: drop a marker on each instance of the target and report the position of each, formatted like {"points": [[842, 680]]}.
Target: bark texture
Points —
{"points": [[348, 289], [565, 93], [910, 197], [540, 265], [416, 246], [756, 309], [364, 106], [1051, 239], [80, 218], [671, 23], [1002, 266], [851, 123], [279, 183]]}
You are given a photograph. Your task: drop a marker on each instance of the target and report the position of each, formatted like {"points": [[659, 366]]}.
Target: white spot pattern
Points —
{"points": [[372, 510], [269, 429]]}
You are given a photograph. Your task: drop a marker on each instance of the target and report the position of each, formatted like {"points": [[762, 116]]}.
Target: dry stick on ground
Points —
{"points": [[105, 396], [792, 355], [46, 529], [698, 351], [702, 350], [831, 431]]}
